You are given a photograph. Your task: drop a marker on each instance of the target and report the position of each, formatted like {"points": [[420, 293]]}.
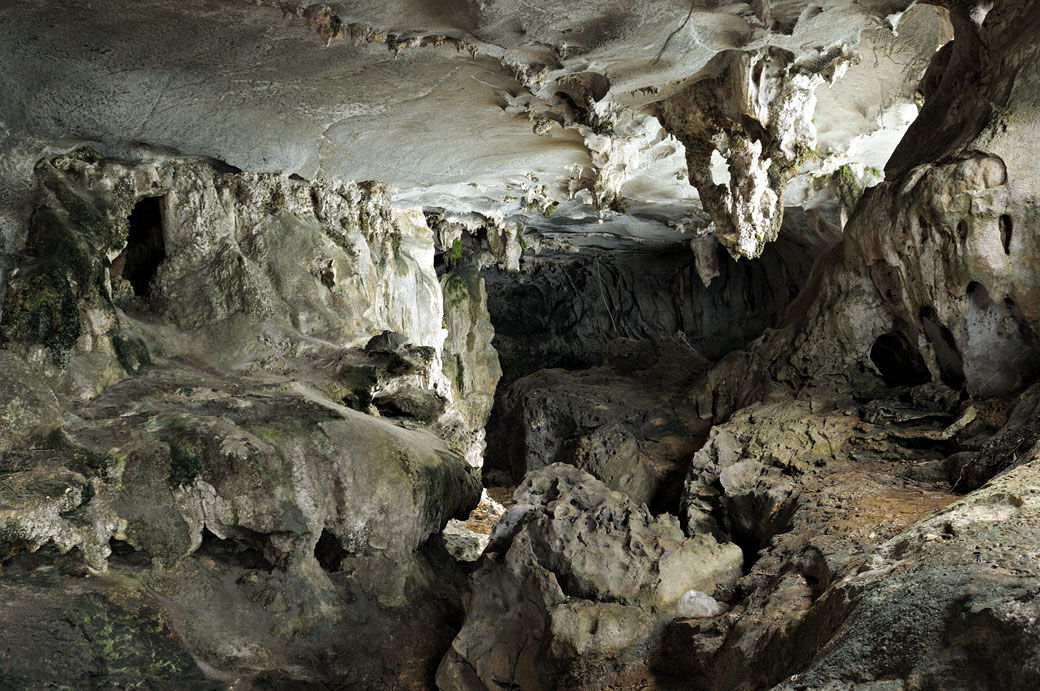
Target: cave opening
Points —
{"points": [[329, 552], [233, 551], [1005, 233], [125, 555], [145, 247], [899, 361]]}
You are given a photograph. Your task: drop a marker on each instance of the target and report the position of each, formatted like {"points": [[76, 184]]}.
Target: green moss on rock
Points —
{"points": [[129, 643], [131, 352], [186, 460], [849, 189], [43, 308], [275, 203]]}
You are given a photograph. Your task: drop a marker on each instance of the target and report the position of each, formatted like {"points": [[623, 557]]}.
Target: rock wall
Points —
{"points": [[258, 268], [181, 348], [471, 364], [626, 422], [580, 579], [932, 278], [560, 310], [921, 314]]}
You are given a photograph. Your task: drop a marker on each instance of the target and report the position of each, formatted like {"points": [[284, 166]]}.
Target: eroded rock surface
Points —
{"points": [[183, 346], [626, 422], [762, 129], [238, 408], [562, 308], [583, 576]]}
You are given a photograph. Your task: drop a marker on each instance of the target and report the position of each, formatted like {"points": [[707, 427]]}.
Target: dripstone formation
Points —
{"points": [[520, 345]]}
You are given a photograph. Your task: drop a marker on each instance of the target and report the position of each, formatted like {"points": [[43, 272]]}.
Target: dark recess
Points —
{"points": [[329, 552], [233, 551], [145, 249], [899, 361], [1005, 233], [951, 365]]}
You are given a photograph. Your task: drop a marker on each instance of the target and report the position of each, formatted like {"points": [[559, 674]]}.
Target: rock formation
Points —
{"points": [[519, 345]]}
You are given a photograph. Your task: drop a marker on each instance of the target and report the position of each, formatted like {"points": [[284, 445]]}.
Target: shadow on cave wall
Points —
{"points": [[562, 309]]}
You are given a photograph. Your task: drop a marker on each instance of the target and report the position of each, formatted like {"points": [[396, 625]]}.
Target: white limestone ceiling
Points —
{"points": [[455, 103]]}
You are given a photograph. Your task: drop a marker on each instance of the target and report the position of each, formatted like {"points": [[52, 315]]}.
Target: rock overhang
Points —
{"points": [[506, 109]]}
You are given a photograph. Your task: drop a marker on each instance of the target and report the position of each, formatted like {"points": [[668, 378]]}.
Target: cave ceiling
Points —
{"points": [[541, 112]]}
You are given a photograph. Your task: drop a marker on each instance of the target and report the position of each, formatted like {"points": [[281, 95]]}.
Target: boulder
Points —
{"points": [[627, 421], [577, 572]]}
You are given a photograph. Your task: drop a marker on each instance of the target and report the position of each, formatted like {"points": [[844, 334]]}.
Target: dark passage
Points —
{"points": [[899, 361], [329, 552], [1005, 233], [145, 248]]}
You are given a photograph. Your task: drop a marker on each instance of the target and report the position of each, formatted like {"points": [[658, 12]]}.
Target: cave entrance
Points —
{"points": [[145, 248], [329, 552], [899, 361]]}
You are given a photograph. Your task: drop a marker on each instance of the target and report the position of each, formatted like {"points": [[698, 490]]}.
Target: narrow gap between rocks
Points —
{"points": [[145, 246]]}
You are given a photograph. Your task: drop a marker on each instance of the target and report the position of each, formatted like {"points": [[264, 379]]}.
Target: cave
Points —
{"points": [[145, 246], [531, 345], [898, 360], [329, 552]]}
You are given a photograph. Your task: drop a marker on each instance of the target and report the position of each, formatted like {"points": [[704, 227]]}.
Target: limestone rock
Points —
{"points": [[695, 604], [579, 571], [944, 601], [471, 364], [467, 540], [265, 265], [27, 404], [930, 281], [625, 422], [754, 459], [563, 307], [62, 629], [761, 127]]}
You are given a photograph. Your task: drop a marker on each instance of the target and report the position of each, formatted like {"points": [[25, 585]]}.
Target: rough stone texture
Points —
{"points": [[581, 573], [105, 631], [518, 88], [762, 128], [561, 309], [311, 267], [209, 457], [466, 540], [860, 475], [934, 263], [274, 466], [948, 603], [260, 268], [750, 465], [626, 422], [27, 404], [470, 362], [212, 469]]}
